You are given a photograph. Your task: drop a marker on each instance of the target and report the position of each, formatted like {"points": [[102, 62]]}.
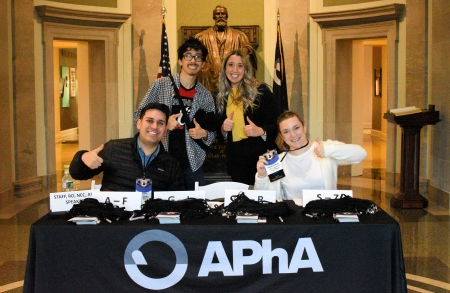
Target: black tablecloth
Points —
{"points": [[215, 253]]}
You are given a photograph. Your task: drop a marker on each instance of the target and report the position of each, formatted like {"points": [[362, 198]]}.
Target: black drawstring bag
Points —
{"points": [[241, 203], [103, 211], [191, 208], [328, 207]]}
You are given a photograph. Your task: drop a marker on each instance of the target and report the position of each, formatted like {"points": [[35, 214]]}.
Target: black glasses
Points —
{"points": [[189, 56]]}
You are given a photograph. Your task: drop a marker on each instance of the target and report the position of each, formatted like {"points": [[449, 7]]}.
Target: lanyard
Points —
{"points": [[303, 146], [146, 164]]}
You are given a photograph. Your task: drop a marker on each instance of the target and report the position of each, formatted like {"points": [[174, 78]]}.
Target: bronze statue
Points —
{"points": [[220, 40]]}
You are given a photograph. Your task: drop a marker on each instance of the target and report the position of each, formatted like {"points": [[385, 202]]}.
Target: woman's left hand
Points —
{"points": [[319, 150], [252, 129]]}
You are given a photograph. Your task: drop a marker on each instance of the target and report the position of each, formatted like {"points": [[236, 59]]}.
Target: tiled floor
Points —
{"points": [[425, 232]]}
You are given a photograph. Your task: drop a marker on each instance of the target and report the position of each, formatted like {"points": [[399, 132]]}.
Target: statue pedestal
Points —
{"points": [[408, 197], [215, 167]]}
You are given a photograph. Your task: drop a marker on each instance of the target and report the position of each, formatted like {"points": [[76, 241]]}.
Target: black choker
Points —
{"points": [[303, 146]]}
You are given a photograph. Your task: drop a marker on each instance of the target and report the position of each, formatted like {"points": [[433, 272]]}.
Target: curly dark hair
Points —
{"points": [[192, 43]]}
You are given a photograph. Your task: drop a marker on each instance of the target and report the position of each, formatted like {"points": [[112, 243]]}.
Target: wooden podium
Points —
{"points": [[409, 197]]}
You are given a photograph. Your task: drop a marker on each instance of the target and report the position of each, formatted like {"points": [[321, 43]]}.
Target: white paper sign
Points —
{"points": [[310, 194], [179, 195], [130, 200], [64, 201], [267, 195]]}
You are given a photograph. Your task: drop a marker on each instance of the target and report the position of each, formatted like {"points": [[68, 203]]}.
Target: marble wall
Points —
{"points": [[294, 19], [147, 22], [6, 131], [440, 96]]}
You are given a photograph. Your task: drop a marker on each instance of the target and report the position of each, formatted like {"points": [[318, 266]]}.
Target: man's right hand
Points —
{"points": [[173, 124], [91, 159]]}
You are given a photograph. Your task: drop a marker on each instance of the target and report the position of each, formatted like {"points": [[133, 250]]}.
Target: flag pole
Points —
{"points": [[279, 78], [164, 63]]}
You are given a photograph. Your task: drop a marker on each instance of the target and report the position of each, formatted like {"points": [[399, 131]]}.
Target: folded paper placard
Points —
{"points": [[311, 194]]}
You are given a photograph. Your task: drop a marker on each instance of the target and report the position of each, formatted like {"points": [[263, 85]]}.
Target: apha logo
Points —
{"points": [[134, 257]]}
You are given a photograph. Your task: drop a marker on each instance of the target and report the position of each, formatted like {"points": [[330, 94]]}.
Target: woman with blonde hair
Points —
{"points": [[247, 114], [306, 165]]}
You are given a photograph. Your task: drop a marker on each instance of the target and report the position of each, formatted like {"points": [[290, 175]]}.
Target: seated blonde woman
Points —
{"points": [[306, 165]]}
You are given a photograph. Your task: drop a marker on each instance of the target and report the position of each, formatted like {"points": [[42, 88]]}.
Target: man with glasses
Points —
{"points": [[192, 121]]}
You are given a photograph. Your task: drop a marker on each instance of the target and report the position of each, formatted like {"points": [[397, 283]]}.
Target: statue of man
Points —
{"points": [[220, 40]]}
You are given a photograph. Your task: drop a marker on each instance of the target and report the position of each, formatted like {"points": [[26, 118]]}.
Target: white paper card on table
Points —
{"points": [[245, 221], [346, 217], [64, 201], [266, 195], [169, 217], [179, 195], [246, 216], [85, 220], [169, 220], [130, 200], [311, 194]]}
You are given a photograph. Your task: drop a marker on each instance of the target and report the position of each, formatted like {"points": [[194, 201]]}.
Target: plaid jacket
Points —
{"points": [[161, 91]]}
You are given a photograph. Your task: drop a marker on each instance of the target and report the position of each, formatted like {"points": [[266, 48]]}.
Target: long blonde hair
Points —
{"points": [[281, 144], [247, 88]]}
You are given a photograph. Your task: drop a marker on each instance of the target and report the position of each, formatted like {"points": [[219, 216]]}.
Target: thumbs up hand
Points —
{"points": [[173, 124], [252, 129], [197, 132], [319, 150], [91, 159], [228, 123]]}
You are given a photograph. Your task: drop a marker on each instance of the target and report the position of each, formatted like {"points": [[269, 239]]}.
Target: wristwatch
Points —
{"points": [[264, 136]]}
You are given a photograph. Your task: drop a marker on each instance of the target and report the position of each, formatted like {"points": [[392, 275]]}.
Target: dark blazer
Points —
{"points": [[247, 151]]}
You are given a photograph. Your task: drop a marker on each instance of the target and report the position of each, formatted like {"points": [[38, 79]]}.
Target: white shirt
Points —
{"points": [[336, 154], [302, 172]]}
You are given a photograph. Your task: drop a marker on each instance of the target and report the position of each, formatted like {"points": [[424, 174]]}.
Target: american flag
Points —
{"points": [[164, 63], [279, 78]]}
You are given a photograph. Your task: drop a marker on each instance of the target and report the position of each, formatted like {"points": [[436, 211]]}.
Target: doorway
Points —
{"points": [[98, 37], [367, 61], [333, 29], [96, 88], [338, 85], [70, 61], [375, 105]]}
